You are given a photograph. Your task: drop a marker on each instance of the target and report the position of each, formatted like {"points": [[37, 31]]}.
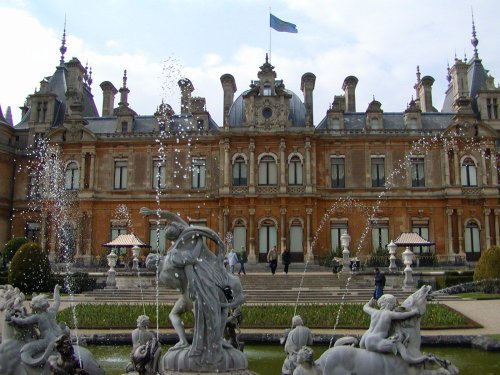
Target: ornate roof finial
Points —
{"points": [[85, 73], [474, 41], [63, 48], [125, 78], [89, 80], [448, 74], [465, 57], [267, 58], [418, 73]]}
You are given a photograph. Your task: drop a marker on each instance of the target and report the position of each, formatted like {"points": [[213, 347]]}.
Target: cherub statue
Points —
{"points": [[295, 339], [44, 317], [305, 363], [65, 363]]}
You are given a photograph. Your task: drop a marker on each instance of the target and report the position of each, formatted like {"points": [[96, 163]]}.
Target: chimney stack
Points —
{"points": [[108, 98], [424, 90], [307, 87], [186, 89], [349, 87], [229, 88]]}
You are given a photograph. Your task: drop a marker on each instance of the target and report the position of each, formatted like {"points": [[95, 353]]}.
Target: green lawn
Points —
{"points": [[103, 316]]}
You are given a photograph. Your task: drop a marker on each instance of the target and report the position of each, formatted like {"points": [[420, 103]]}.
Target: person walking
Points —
{"points": [[285, 259], [242, 259], [379, 284], [232, 259], [272, 259]]}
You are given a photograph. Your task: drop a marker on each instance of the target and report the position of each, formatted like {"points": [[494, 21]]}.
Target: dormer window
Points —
{"points": [[200, 124], [267, 90], [124, 126]]}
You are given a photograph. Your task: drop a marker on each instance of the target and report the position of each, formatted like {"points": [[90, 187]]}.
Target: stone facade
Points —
{"points": [[271, 174]]}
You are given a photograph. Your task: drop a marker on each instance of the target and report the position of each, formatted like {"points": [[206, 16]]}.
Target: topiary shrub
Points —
{"points": [[488, 266], [11, 247], [30, 269]]}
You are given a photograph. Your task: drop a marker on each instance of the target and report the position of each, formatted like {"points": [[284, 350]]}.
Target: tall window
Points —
{"points": [[157, 237], [33, 231], [239, 236], [469, 172], [336, 230], [492, 108], [417, 172], [120, 174], [380, 236], [239, 172], [295, 171], [115, 232], [472, 242], [198, 170], [267, 90], [34, 186], [338, 172], [72, 176], [267, 238], [159, 174], [423, 231], [268, 174], [378, 172], [296, 237]]}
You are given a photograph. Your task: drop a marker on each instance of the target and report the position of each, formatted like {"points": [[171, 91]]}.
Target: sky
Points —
{"points": [[160, 41]]}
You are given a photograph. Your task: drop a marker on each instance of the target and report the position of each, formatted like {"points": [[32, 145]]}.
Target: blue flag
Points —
{"points": [[282, 26]]}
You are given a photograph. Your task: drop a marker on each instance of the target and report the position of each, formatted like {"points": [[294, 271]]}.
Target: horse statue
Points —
{"points": [[391, 345], [206, 288], [29, 340]]}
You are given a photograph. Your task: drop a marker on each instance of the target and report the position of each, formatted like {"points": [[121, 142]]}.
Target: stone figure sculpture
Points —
{"points": [[28, 340], [305, 363], [66, 362], [390, 346], [294, 340], [204, 284], [146, 351]]}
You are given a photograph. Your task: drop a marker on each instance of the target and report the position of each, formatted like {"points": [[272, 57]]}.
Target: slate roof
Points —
{"points": [[297, 111]]}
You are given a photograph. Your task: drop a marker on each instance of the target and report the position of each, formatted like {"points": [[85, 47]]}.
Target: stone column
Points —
{"points": [[456, 164], [79, 235], [225, 223], [252, 257], [487, 238], [283, 230], [449, 214], [227, 165], [497, 229], [494, 171], [282, 166], [92, 170], [460, 233], [251, 149], [43, 230], [88, 251], [483, 166], [82, 172], [309, 253], [308, 165], [447, 181]]}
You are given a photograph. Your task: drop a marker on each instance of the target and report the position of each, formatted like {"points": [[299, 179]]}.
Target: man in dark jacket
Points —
{"points": [[379, 284]]}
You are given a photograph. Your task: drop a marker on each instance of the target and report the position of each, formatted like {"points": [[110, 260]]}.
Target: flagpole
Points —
{"points": [[269, 34]]}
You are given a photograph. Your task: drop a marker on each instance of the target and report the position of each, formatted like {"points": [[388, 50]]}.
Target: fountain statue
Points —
{"points": [[146, 350], [294, 340], [29, 340], [391, 345], [205, 287]]}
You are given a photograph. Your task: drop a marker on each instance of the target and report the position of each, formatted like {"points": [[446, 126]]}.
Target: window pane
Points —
{"points": [[273, 174], [296, 239], [239, 238], [263, 174], [263, 240]]}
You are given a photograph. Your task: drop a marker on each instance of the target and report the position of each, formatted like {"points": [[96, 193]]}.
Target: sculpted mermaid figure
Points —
{"points": [[199, 275], [391, 345]]}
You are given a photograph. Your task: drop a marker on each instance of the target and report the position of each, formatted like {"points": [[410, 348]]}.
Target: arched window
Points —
{"points": [[72, 176], [239, 236], [472, 241], [469, 172], [268, 238], [239, 172], [268, 174], [295, 171]]}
